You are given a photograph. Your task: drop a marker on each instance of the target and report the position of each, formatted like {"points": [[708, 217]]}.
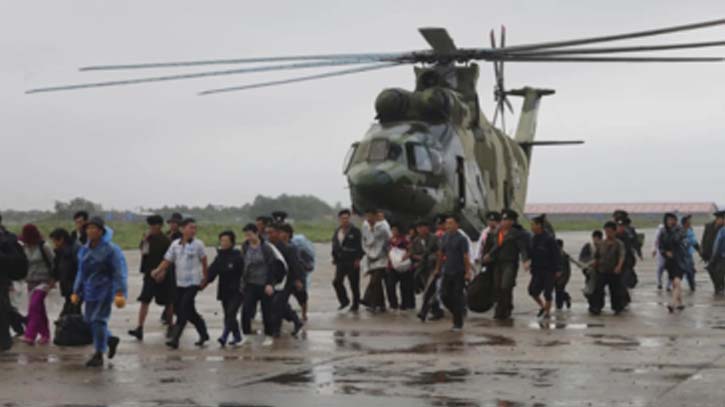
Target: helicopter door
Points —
{"points": [[461, 172]]}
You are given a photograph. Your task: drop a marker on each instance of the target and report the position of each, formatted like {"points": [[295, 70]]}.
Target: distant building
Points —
{"points": [[602, 210]]}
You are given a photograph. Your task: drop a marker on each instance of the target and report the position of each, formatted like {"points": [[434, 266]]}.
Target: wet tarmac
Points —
{"points": [[643, 357]]}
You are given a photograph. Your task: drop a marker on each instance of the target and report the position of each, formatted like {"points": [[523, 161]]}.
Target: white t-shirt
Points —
{"points": [[187, 261]]}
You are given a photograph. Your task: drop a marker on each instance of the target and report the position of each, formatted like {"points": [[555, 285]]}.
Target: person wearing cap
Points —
{"points": [[608, 262], [505, 248], [692, 247], [708, 241], [100, 282], [375, 239], [346, 254], [716, 262], [673, 247], [455, 267], [188, 255], [153, 246], [544, 266]]}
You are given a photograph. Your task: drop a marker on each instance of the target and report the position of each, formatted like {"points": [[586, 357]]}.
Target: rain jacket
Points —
{"points": [[102, 270], [718, 248]]}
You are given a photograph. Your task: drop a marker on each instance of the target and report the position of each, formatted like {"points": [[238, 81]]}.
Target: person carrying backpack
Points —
{"points": [[13, 267]]}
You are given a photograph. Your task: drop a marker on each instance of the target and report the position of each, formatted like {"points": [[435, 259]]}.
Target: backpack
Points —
{"points": [[72, 330], [15, 262], [305, 252]]}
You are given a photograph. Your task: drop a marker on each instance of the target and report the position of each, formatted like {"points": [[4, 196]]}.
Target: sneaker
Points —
{"points": [[421, 317], [568, 303], [173, 344], [354, 308], [457, 329], [112, 346], [268, 341], [541, 313], [137, 333], [43, 341], [245, 340], [671, 309], [343, 305], [223, 342], [96, 360]]}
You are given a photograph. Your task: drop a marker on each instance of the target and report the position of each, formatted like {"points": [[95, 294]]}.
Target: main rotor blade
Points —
{"points": [[438, 39], [302, 78], [359, 57], [611, 59], [608, 50], [301, 65], [616, 37]]}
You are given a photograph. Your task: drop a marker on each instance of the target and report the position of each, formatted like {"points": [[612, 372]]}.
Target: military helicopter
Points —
{"points": [[432, 150]]}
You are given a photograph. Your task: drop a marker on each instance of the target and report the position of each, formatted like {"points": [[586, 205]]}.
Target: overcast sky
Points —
{"points": [[652, 132]]}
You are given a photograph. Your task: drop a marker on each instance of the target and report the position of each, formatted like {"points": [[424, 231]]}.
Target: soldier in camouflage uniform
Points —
{"points": [[505, 247]]}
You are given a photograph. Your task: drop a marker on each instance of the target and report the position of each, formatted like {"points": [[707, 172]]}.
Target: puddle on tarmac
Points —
{"points": [[550, 344], [439, 377], [562, 325], [615, 341]]}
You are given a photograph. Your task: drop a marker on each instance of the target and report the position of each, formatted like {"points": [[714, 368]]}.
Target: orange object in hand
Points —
{"points": [[75, 299], [120, 301]]}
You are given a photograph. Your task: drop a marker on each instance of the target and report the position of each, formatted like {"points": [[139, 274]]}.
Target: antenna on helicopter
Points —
{"points": [[499, 90]]}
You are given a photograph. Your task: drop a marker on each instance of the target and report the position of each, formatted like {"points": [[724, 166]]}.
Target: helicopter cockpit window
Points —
{"points": [[419, 158], [348, 157], [378, 150]]}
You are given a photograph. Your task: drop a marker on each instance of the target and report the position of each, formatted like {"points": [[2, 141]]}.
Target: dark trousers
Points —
{"points": [[253, 295], [562, 297], [349, 271], [430, 302], [185, 308], [231, 305], [374, 293], [282, 311], [452, 293], [395, 279], [617, 292], [504, 281], [6, 342]]}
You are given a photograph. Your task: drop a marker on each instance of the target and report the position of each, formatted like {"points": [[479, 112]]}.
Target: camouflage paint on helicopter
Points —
{"points": [[433, 151]]}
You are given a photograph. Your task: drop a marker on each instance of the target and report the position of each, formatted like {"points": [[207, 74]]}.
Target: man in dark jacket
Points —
{"points": [[153, 247], [65, 268], [544, 266], [609, 256], [280, 235], [78, 236], [13, 267], [504, 249], [346, 254]]}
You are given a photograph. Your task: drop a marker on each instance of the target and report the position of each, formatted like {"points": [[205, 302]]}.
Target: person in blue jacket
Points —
{"points": [[100, 282]]}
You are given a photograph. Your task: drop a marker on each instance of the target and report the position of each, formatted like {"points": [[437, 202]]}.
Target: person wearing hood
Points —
{"points": [[100, 282], [228, 266], [65, 268], [505, 247], [40, 281], [673, 247]]}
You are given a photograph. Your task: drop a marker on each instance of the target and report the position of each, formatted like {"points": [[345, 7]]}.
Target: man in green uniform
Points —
{"points": [[504, 249]]}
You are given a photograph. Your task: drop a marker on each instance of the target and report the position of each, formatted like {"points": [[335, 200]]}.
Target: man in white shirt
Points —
{"points": [[189, 259]]}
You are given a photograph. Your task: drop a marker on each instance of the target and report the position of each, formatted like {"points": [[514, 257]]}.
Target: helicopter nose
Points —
{"points": [[376, 179]]}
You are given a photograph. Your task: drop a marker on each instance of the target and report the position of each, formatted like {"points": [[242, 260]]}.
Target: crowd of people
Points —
{"points": [[434, 261]]}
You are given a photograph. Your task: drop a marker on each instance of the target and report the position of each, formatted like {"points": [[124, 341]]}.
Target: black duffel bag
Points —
{"points": [[72, 330], [480, 295]]}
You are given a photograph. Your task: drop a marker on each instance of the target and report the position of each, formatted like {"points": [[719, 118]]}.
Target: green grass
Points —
{"points": [[128, 234]]}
